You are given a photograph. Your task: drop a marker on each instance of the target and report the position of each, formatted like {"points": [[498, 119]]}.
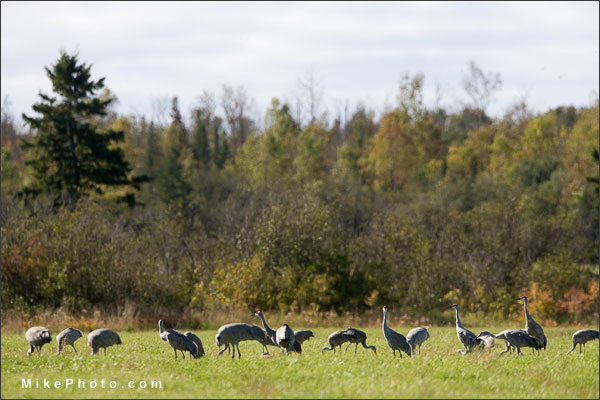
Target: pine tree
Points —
{"points": [[70, 156], [200, 142]]}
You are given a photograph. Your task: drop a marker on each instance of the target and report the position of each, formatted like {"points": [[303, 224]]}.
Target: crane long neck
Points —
{"points": [[458, 324], [525, 307], [384, 325], [264, 323]]}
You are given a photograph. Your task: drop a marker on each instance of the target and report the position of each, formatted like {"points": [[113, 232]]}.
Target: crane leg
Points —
{"points": [[347, 347], [419, 349], [394, 350], [579, 347], [175, 353], [355, 347], [233, 349], [238, 349], [104, 350], [182, 354]]}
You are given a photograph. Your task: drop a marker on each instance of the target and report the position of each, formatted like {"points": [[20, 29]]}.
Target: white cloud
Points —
{"points": [[360, 49]]}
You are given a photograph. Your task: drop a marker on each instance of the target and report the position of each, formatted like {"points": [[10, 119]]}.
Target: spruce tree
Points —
{"points": [[71, 156]]}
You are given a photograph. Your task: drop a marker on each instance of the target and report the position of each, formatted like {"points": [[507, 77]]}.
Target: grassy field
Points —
{"points": [[439, 372]]}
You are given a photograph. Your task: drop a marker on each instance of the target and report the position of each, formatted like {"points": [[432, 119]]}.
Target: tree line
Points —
{"points": [[416, 208]]}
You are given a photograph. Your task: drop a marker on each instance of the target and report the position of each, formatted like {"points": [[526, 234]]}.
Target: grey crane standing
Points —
{"points": [[357, 336], [284, 337], [268, 331], [37, 337], [517, 338], [232, 334], [395, 340], [582, 336], [68, 337], [466, 337], [177, 340], [197, 342], [102, 338], [415, 337], [303, 336], [337, 338], [533, 328]]}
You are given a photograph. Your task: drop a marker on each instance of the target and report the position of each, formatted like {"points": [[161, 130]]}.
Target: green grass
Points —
{"points": [[439, 372]]}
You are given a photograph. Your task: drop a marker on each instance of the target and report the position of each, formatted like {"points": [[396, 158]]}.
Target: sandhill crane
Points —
{"points": [[517, 338], [488, 339], [582, 336], [102, 338], [270, 332], [337, 338], [284, 337], [466, 337], [177, 340], [502, 335], [68, 337], [395, 340], [357, 336], [197, 342], [37, 337], [259, 335], [303, 336], [416, 337], [232, 334], [533, 328]]}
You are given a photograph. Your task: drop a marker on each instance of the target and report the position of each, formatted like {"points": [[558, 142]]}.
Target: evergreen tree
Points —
{"points": [[70, 155], [170, 183], [200, 143]]}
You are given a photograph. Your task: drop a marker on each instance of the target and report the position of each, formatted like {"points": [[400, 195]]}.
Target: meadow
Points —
{"points": [[438, 372]]}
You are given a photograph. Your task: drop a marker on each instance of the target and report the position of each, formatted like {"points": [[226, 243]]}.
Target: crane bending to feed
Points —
{"points": [[177, 340], [37, 337], [416, 337], [337, 338], [517, 338], [102, 338], [232, 334], [68, 337], [357, 336], [582, 336]]}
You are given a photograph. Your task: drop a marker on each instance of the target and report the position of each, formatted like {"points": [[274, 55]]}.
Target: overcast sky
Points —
{"points": [[546, 52]]}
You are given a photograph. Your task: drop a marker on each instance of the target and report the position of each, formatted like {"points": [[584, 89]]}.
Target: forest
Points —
{"points": [[304, 210]]}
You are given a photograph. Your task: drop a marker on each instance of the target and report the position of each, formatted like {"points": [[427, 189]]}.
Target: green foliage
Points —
{"points": [[69, 155], [415, 209]]}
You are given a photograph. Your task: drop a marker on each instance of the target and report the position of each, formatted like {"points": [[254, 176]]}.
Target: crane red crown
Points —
{"points": [[385, 307]]}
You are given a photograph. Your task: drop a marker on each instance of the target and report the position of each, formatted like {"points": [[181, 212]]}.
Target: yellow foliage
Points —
{"points": [[393, 154]]}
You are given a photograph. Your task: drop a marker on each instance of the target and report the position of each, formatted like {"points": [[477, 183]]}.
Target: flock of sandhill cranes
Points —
{"points": [[288, 341]]}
